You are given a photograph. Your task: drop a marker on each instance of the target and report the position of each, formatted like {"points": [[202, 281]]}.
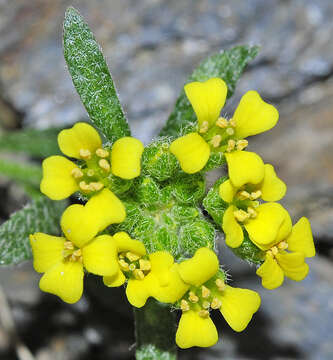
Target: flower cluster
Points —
{"points": [[192, 281]]}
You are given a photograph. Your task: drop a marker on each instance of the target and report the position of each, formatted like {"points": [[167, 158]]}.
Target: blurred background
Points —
{"points": [[151, 47]]}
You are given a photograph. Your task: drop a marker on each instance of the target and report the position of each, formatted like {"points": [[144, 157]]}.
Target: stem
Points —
{"points": [[155, 331]]}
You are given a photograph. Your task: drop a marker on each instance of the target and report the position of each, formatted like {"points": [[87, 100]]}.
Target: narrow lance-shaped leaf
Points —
{"points": [[42, 215], [92, 78], [227, 65]]}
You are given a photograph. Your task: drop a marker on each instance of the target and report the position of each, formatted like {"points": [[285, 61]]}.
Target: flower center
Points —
{"points": [[134, 265], [203, 298], [274, 250], [246, 203], [72, 253]]}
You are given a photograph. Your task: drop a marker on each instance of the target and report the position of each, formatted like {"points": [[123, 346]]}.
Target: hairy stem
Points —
{"points": [[155, 329]]}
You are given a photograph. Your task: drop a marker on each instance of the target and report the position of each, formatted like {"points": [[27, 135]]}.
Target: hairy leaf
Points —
{"points": [[227, 65], [42, 215], [92, 78]]}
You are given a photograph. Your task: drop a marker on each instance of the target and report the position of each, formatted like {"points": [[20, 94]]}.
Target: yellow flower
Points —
{"points": [[249, 180], [209, 291], [252, 116], [153, 275], [63, 259], [280, 263], [62, 177]]}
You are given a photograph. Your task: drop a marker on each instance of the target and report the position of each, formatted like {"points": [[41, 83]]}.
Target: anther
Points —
{"points": [[132, 257], [242, 144], [85, 154], [222, 122], [96, 186], [230, 131], [203, 313], [104, 165], [241, 215], [216, 304], [205, 292], [232, 123], [192, 297], [283, 245], [90, 172], [274, 250], [184, 305], [77, 173], [102, 153], [255, 195], [68, 245], [123, 264], [206, 304], [243, 195], [216, 141], [253, 214], [204, 127], [220, 284], [84, 186], [138, 274], [144, 265], [231, 145]]}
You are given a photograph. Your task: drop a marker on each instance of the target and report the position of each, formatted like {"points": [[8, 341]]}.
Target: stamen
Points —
{"points": [[144, 265], [230, 131], [255, 195], [220, 284], [231, 145], [274, 250], [232, 123], [243, 195], [184, 305], [253, 214], [102, 153], [104, 165], [77, 253], [84, 186], [222, 122], [96, 186], [68, 245], [138, 274], [269, 252], [216, 141], [242, 144], [85, 154], [255, 204], [192, 297], [283, 245], [132, 267], [206, 304], [203, 313], [204, 127], [90, 172], [132, 257], [123, 264], [241, 215], [77, 173], [205, 292], [216, 304]]}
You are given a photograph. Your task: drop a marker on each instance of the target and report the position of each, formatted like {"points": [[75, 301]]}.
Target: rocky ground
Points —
{"points": [[151, 46]]}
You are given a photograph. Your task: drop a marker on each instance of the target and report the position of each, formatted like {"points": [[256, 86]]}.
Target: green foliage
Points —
{"points": [[249, 252], [189, 189], [33, 142], [216, 160], [227, 65], [92, 78], [42, 215], [157, 161], [213, 203]]}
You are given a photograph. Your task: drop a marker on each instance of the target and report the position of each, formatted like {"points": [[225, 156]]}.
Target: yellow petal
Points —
{"points": [[232, 230], [114, 281], [125, 243], [272, 188], [105, 209], [126, 157], [100, 256], [227, 191], [65, 280], [192, 152], [271, 274], [194, 330], [200, 268], [161, 262], [254, 116], [301, 239], [272, 225], [207, 98], [57, 182], [244, 167], [293, 265], [238, 306], [80, 136], [47, 250], [137, 292], [77, 226]]}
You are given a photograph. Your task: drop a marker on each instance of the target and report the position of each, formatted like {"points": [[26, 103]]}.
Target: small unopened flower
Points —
{"points": [[286, 256], [154, 275], [242, 191], [63, 259], [252, 116], [62, 177], [209, 291]]}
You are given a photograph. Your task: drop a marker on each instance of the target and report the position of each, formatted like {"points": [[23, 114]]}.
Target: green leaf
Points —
{"points": [[92, 78], [42, 215], [33, 142], [227, 65]]}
